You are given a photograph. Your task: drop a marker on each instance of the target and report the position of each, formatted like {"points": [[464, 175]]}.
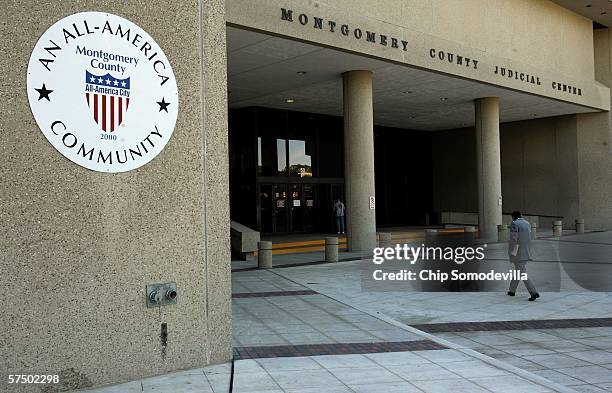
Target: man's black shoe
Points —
{"points": [[534, 296], [511, 293]]}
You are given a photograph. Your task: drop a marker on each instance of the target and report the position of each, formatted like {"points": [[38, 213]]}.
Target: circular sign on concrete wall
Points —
{"points": [[102, 92]]}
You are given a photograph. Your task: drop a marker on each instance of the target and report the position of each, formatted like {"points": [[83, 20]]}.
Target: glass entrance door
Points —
{"points": [[295, 208], [310, 209], [281, 205], [303, 207], [273, 208]]}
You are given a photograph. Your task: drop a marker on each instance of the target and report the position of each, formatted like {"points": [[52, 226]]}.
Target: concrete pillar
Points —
{"points": [[331, 249], [502, 233], [534, 230], [488, 166], [557, 228], [359, 160], [264, 255], [580, 225], [469, 235], [431, 237], [384, 239]]}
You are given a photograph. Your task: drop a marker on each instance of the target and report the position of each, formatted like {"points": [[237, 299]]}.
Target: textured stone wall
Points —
{"points": [[78, 247]]}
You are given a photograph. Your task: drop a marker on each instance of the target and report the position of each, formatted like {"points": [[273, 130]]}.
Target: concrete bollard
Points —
{"points": [[502, 233], [384, 239], [580, 225], [469, 235], [264, 255], [557, 228], [534, 230], [431, 237], [331, 249]]}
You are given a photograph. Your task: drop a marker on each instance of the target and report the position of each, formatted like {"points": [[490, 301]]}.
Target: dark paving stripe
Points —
{"points": [[514, 325], [349, 259], [333, 349], [556, 239], [561, 262], [270, 294], [244, 269]]}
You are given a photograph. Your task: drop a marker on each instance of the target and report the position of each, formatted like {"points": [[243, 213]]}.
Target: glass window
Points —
{"points": [[300, 158], [299, 144], [281, 155], [259, 154], [271, 128], [271, 156]]}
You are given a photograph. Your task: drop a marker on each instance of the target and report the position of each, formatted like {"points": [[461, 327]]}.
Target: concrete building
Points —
{"points": [[413, 112]]}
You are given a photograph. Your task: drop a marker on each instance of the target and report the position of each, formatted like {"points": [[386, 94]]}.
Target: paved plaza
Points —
{"points": [[312, 328]]}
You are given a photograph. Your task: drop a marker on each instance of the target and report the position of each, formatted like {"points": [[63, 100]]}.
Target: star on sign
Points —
{"points": [[122, 84], [116, 83], [92, 79], [43, 92], [163, 105], [108, 81], [100, 80]]}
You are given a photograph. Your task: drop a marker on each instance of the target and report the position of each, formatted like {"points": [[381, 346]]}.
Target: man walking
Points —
{"points": [[519, 251], [339, 213]]}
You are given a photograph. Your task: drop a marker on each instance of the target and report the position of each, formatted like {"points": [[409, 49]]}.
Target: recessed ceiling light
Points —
{"points": [[408, 92], [290, 100], [443, 98], [301, 72], [588, 6], [604, 13]]}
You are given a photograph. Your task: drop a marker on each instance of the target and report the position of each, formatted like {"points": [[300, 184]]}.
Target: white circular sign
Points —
{"points": [[102, 92]]}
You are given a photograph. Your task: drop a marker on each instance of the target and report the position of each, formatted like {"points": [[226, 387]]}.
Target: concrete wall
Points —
{"points": [[594, 146], [551, 37], [554, 43], [595, 169], [78, 247], [558, 166], [539, 162], [539, 167]]}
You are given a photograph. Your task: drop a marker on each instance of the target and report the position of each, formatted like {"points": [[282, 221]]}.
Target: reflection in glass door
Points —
{"points": [[279, 216], [274, 205], [291, 208], [303, 208], [266, 205], [297, 208], [309, 207]]}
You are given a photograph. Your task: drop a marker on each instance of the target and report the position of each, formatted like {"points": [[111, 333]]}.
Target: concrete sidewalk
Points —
{"points": [[313, 328]]}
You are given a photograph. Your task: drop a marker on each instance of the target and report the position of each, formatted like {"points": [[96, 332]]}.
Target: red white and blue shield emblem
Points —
{"points": [[108, 99]]}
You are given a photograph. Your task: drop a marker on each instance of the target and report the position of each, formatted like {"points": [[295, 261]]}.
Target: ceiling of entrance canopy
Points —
{"points": [[280, 73]]}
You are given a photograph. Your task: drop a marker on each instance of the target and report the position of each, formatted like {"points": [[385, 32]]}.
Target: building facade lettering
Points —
{"points": [[453, 58], [344, 29], [441, 55], [516, 75], [566, 88]]}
